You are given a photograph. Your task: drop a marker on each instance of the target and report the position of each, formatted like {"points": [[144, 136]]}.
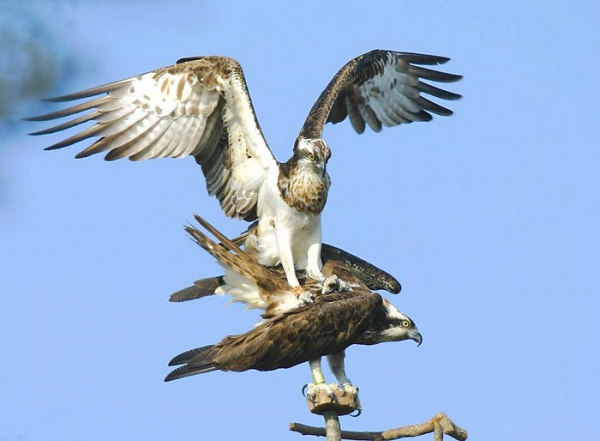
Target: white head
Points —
{"points": [[314, 150]]}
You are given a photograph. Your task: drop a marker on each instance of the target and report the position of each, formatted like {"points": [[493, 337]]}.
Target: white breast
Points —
{"points": [[274, 212]]}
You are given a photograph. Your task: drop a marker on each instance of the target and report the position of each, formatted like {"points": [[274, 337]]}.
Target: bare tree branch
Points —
{"points": [[333, 429], [439, 424]]}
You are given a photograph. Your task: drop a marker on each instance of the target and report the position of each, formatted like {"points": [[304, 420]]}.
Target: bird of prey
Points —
{"points": [[292, 332], [201, 107]]}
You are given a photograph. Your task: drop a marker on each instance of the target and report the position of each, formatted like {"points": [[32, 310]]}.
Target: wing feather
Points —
{"points": [[381, 88], [198, 107], [329, 325]]}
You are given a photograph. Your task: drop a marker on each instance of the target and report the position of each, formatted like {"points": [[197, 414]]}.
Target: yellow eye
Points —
{"points": [[311, 156], [405, 323]]}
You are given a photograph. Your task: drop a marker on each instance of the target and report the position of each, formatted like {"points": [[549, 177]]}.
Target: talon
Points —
{"points": [[358, 413], [304, 390], [310, 390], [333, 283], [357, 405], [304, 297]]}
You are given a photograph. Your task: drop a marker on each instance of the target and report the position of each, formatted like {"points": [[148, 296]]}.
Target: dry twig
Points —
{"points": [[439, 424]]}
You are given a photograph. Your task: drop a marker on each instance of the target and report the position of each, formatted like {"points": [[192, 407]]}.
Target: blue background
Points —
{"points": [[488, 218]]}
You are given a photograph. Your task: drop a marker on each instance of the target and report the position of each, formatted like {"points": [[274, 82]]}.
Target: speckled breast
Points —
{"points": [[305, 191]]}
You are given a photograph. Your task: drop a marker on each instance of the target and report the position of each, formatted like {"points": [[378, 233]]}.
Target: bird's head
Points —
{"points": [[399, 326], [312, 152]]}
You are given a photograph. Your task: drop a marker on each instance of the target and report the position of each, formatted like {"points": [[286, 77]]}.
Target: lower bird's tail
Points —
{"points": [[195, 361]]}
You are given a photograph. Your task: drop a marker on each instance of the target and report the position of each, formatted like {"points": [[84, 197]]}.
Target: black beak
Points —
{"points": [[418, 338]]}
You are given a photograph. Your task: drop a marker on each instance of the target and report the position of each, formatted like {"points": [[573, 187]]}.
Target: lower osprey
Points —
{"points": [[201, 107], [292, 332]]}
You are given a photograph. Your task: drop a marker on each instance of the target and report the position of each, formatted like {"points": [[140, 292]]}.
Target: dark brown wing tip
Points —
{"points": [[417, 58], [186, 59], [87, 93], [394, 286]]}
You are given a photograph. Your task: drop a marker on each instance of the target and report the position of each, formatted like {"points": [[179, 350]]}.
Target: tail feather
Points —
{"points": [[229, 254], [201, 288], [224, 239]]}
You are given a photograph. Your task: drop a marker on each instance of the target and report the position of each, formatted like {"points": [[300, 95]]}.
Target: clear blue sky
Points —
{"points": [[489, 219]]}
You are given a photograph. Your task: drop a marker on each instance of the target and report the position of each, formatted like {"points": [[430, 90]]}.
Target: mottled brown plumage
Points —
{"points": [[304, 185], [294, 333], [329, 325]]}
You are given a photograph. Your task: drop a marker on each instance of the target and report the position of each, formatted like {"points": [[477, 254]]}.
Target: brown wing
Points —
{"points": [[373, 277], [328, 325], [199, 107], [381, 88]]}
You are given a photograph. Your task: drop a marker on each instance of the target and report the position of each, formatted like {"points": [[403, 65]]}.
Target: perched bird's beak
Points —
{"points": [[416, 336], [322, 168]]}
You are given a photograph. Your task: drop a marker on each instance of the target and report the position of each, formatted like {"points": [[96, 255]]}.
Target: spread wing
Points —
{"points": [[381, 88], [198, 107]]}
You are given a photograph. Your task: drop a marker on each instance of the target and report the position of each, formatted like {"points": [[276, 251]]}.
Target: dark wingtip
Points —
{"points": [[175, 374], [186, 59]]}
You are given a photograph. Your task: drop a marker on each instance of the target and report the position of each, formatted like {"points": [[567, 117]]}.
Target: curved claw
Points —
{"points": [[333, 284], [304, 297], [358, 413], [304, 390]]}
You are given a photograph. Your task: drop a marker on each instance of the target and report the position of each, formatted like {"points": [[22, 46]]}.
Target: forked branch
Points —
{"points": [[440, 425]]}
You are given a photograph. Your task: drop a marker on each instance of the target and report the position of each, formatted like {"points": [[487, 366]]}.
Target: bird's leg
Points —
{"points": [[337, 365], [313, 258], [314, 264], [284, 245], [319, 381]]}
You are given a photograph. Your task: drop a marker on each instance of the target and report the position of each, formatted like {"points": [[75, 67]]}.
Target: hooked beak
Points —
{"points": [[416, 336], [322, 168]]}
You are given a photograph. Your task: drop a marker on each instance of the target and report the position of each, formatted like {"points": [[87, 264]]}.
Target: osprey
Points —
{"points": [[201, 107], [292, 332]]}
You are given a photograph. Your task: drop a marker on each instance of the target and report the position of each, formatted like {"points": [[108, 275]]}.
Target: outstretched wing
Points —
{"points": [[198, 107], [381, 88]]}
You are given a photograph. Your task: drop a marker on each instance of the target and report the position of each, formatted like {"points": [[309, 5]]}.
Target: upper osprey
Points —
{"points": [[201, 107]]}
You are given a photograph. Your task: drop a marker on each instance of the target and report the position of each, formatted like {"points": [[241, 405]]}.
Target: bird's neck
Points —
{"points": [[303, 187]]}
